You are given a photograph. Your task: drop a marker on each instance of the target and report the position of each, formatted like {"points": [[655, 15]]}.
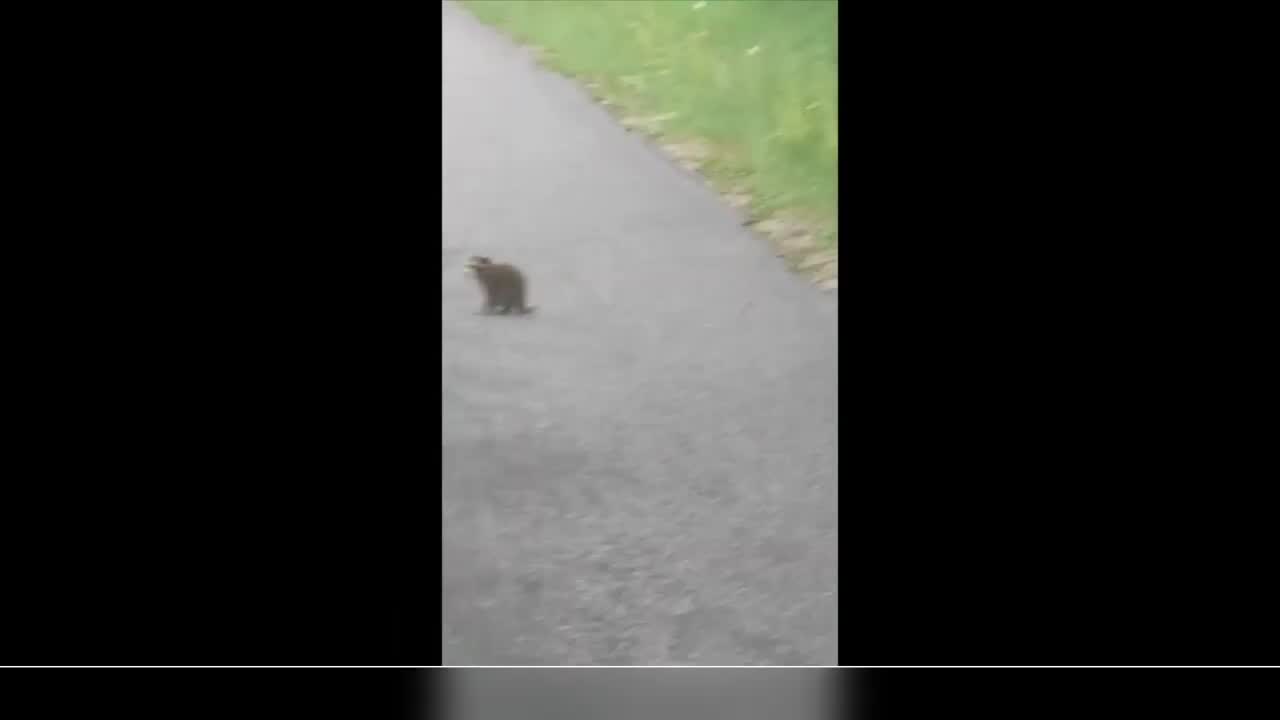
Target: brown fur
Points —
{"points": [[503, 284]]}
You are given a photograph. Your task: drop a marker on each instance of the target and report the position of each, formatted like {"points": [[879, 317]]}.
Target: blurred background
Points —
{"points": [[643, 693], [644, 472], [742, 91]]}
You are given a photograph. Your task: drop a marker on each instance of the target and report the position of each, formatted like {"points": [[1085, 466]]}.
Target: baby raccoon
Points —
{"points": [[503, 286]]}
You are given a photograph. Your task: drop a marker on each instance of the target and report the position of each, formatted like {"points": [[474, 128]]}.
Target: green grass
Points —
{"points": [[753, 79]]}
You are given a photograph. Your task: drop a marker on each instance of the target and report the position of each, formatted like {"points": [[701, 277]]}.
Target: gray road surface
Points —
{"points": [[643, 472]]}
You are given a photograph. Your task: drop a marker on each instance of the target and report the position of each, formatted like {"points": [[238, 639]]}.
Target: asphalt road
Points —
{"points": [[644, 471]]}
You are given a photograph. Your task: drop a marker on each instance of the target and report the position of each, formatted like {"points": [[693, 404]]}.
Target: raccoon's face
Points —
{"points": [[477, 261]]}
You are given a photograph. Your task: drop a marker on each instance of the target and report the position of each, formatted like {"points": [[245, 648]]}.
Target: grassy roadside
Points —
{"points": [[742, 91]]}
